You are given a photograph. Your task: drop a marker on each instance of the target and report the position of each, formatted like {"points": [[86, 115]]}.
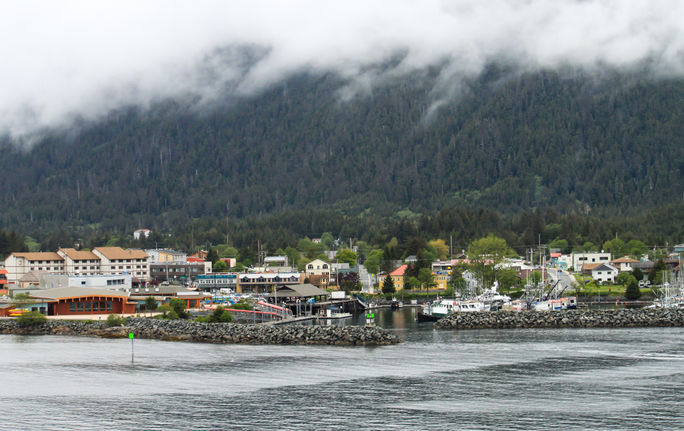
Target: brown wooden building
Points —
{"points": [[82, 301]]}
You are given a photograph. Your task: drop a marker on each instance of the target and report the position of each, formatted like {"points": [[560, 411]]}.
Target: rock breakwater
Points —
{"points": [[564, 319], [183, 330]]}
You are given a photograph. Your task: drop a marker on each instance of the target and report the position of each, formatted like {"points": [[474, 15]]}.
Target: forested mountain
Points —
{"points": [[512, 143]]}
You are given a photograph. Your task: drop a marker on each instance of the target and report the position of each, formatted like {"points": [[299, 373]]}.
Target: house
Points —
{"points": [[678, 249], [441, 278], [116, 260], [579, 259], [141, 233], [604, 273], [320, 270], [624, 264], [588, 267], [398, 276]]}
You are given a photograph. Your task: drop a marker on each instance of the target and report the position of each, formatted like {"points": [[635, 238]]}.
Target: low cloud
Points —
{"points": [[79, 59]]}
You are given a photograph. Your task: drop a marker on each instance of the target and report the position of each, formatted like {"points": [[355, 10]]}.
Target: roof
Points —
{"points": [[41, 255], [555, 255], [625, 259], [399, 271], [79, 254], [590, 266], [32, 277], [76, 292], [300, 290], [604, 267], [112, 253]]}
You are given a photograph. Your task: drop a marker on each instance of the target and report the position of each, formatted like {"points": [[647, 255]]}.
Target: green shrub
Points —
{"points": [[226, 317], [178, 305], [172, 315], [115, 320], [150, 303], [242, 305], [203, 319], [31, 318]]}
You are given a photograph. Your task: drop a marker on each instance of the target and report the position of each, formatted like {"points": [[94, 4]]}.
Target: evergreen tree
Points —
{"points": [[388, 285], [632, 292]]}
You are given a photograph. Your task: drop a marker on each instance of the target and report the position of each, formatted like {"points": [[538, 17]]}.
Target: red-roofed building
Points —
{"points": [[398, 277]]}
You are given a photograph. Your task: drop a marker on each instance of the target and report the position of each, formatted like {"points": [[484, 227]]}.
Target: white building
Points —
{"points": [[112, 282], [579, 259], [115, 260], [605, 272], [163, 255], [141, 233], [79, 262], [624, 264], [19, 263], [318, 267]]}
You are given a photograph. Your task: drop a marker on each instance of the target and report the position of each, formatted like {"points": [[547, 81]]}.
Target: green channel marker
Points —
{"points": [[130, 335]]}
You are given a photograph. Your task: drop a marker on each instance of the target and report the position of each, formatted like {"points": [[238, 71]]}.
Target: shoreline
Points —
{"points": [[623, 318], [216, 333]]}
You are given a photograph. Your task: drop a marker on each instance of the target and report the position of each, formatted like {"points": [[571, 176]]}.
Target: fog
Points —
{"points": [[67, 59]]}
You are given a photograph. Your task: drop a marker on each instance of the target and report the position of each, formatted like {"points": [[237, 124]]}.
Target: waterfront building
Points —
{"points": [[217, 281], [100, 281], [67, 301], [264, 282]]}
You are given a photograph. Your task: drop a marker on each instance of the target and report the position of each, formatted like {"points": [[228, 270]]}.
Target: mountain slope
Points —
{"points": [[510, 143]]}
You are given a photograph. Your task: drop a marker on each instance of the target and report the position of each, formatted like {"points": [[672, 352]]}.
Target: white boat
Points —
{"points": [[568, 303], [436, 310]]}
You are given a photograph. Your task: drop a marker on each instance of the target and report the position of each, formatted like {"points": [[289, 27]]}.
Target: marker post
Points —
{"points": [[132, 337]]}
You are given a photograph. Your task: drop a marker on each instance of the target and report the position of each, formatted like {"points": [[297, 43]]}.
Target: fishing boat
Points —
{"points": [[433, 311]]}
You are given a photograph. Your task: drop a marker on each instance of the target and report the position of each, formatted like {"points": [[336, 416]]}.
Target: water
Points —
{"points": [[627, 379]]}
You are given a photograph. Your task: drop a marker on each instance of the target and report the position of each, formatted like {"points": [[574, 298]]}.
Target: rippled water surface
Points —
{"points": [[626, 379]]}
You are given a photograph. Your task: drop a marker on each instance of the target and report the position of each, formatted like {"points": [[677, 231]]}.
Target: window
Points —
{"points": [[82, 283], [72, 307]]}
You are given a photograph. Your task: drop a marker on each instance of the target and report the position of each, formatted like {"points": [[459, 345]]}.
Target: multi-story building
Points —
{"points": [[115, 260], [163, 255], [19, 263], [179, 271], [320, 269], [79, 262], [218, 281]]}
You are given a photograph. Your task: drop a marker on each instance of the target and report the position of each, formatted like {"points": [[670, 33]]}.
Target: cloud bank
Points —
{"points": [[65, 59]]}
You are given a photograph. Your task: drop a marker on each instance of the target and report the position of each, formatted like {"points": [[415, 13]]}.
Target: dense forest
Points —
{"points": [[594, 155]]}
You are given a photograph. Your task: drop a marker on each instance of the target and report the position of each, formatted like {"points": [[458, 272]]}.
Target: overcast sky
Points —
{"points": [[63, 58]]}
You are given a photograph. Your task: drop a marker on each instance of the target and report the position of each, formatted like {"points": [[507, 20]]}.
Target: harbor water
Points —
{"points": [[531, 379]]}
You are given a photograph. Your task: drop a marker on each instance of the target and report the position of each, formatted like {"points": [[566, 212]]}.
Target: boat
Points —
{"points": [[433, 311], [568, 303]]}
